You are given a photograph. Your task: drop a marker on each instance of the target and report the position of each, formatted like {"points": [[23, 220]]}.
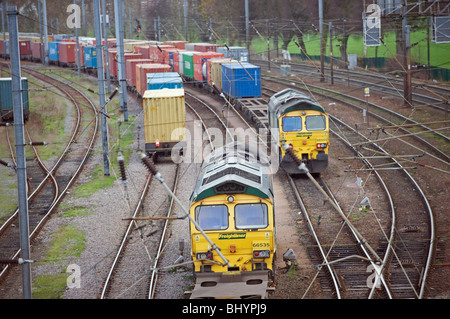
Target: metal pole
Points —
{"points": [[40, 31], [275, 38], [185, 20], [77, 40], [159, 29], [428, 48], [268, 44], [83, 12], [131, 23], [118, 6], [101, 86], [406, 58], [44, 21], [330, 32], [105, 47], [3, 30], [20, 149], [247, 26], [322, 44]]}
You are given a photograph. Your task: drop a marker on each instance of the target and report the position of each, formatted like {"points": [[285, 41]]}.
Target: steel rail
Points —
{"points": [[154, 275], [212, 111], [348, 76], [125, 238], [447, 157], [316, 238], [59, 161], [404, 118], [428, 207]]}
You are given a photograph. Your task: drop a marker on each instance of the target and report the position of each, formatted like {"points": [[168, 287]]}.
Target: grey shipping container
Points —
{"points": [[6, 99], [237, 53]]}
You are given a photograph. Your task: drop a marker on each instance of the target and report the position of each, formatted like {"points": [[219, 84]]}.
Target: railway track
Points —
{"points": [[412, 244], [428, 147], [401, 282], [424, 94], [124, 280], [50, 185]]}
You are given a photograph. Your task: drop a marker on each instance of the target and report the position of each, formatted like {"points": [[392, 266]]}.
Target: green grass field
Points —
{"points": [[439, 53]]}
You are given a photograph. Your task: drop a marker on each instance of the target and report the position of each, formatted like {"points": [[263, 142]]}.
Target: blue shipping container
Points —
{"points": [[162, 83], [90, 57], [53, 51], [241, 80], [162, 75]]}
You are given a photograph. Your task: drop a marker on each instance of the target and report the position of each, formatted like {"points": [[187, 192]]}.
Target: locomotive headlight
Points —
{"points": [[230, 199], [321, 145], [261, 253], [205, 255]]}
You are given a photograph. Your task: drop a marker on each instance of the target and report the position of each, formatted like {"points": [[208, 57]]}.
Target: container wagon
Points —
{"points": [[6, 100], [164, 122]]}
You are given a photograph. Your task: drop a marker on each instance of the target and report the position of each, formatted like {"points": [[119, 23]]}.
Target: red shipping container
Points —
{"points": [[25, 47], [166, 52], [130, 69], [176, 44], [35, 50], [199, 59], [67, 51], [112, 60], [81, 55], [156, 55], [143, 69], [2, 50], [206, 47], [113, 66], [144, 50], [112, 43], [176, 60]]}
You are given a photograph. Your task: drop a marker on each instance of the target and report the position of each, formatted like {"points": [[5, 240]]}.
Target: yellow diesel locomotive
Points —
{"points": [[233, 204], [302, 124]]}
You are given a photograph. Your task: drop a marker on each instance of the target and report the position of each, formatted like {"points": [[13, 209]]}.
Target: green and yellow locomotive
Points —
{"points": [[233, 204], [302, 124]]}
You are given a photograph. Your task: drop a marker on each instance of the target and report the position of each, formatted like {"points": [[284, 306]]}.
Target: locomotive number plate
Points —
{"points": [[261, 244]]}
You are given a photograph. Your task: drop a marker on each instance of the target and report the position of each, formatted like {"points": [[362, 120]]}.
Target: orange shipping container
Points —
{"points": [[176, 44], [199, 59], [113, 65], [144, 50], [67, 52], [143, 69], [130, 69], [155, 53]]}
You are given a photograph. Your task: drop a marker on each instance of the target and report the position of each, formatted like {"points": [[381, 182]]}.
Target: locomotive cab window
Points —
{"points": [[315, 123], [251, 216], [212, 217], [292, 123]]}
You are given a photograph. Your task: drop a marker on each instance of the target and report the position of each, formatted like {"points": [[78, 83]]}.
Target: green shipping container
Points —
{"points": [[6, 99], [188, 65]]}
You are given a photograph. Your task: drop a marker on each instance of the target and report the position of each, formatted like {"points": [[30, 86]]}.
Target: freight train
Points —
{"points": [[144, 59], [300, 121]]}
